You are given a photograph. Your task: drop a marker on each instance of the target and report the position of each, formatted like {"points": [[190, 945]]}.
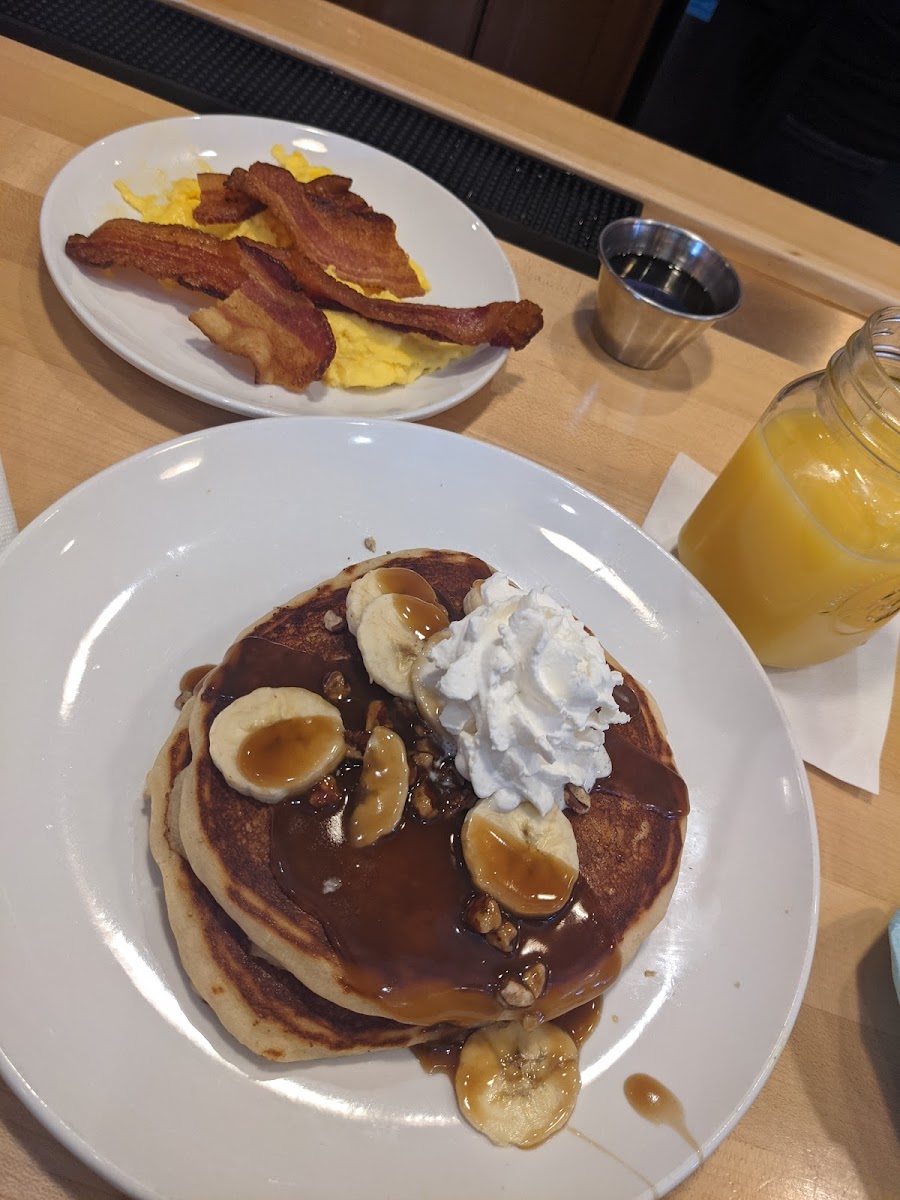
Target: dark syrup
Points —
{"points": [[664, 283]]}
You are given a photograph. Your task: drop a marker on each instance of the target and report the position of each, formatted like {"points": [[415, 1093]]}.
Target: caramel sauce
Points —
{"points": [[654, 1102], [636, 775], [524, 880], [579, 1023], [407, 944], [404, 582], [397, 919], [439, 1058], [192, 677], [422, 618], [279, 754], [442, 1058], [383, 785]]}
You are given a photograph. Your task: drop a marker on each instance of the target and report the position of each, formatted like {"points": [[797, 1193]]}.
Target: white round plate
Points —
{"points": [[148, 326], [152, 568]]}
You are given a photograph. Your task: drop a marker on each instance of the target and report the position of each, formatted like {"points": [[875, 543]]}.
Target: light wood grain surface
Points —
{"points": [[826, 1124]]}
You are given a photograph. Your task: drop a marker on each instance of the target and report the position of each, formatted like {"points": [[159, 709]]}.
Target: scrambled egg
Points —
{"points": [[367, 355]]}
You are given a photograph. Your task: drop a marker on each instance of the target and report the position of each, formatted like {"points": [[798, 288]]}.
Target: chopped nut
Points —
{"points": [[369, 543], [325, 794], [577, 798], [350, 751], [535, 978], [421, 759], [333, 621], [483, 914], [426, 745], [377, 714], [516, 994], [419, 729], [358, 739], [504, 937], [335, 686], [423, 802]]}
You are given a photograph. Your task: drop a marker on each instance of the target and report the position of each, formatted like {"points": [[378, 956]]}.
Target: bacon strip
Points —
{"points": [[508, 323], [333, 226], [221, 205], [195, 259], [205, 263], [267, 320]]}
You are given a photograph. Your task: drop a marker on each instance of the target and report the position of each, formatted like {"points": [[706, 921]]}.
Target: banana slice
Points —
{"points": [[518, 1086], [472, 598], [528, 862], [277, 742], [423, 677], [383, 785], [385, 581], [391, 633]]}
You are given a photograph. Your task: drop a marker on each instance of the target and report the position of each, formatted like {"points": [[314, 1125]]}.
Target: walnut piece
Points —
{"points": [[325, 794], [577, 798], [335, 686], [535, 978], [423, 801], [515, 994], [504, 937], [358, 739], [483, 914], [333, 621], [377, 714], [421, 759]]}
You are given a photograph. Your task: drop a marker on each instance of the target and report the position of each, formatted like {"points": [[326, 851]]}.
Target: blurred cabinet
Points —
{"points": [[584, 51]]}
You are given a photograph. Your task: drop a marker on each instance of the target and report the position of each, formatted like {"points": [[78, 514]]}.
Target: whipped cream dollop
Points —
{"points": [[526, 696]]}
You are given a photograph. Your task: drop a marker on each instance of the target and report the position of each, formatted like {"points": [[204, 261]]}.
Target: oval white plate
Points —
{"points": [[153, 567], [149, 327]]}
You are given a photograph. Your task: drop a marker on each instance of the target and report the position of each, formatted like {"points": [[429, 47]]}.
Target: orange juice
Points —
{"points": [[799, 538]]}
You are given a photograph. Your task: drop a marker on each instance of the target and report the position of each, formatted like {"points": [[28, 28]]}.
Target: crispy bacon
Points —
{"points": [[333, 226], [509, 323], [205, 263], [270, 322], [195, 259], [221, 205]]}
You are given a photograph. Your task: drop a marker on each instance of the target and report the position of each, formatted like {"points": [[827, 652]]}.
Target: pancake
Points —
{"points": [[265, 1007], [381, 930]]}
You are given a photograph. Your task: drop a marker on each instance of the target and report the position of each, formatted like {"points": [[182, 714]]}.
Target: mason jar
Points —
{"points": [[799, 537]]}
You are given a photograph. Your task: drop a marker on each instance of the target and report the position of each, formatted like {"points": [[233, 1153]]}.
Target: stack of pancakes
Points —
{"points": [[305, 947]]}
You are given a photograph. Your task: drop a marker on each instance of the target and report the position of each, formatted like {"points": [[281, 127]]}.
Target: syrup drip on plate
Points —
{"points": [[654, 1102], [583, 1137]]}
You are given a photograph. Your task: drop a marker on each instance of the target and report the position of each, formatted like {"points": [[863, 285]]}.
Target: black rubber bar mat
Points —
{"points": [[201, 66]]}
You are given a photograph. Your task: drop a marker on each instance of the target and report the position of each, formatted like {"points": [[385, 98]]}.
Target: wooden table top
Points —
{"points": [[825, 1124]]}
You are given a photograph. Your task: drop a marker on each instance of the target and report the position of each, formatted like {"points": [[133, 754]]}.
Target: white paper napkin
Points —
{"points": [[838, 711], [8, 526]]}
